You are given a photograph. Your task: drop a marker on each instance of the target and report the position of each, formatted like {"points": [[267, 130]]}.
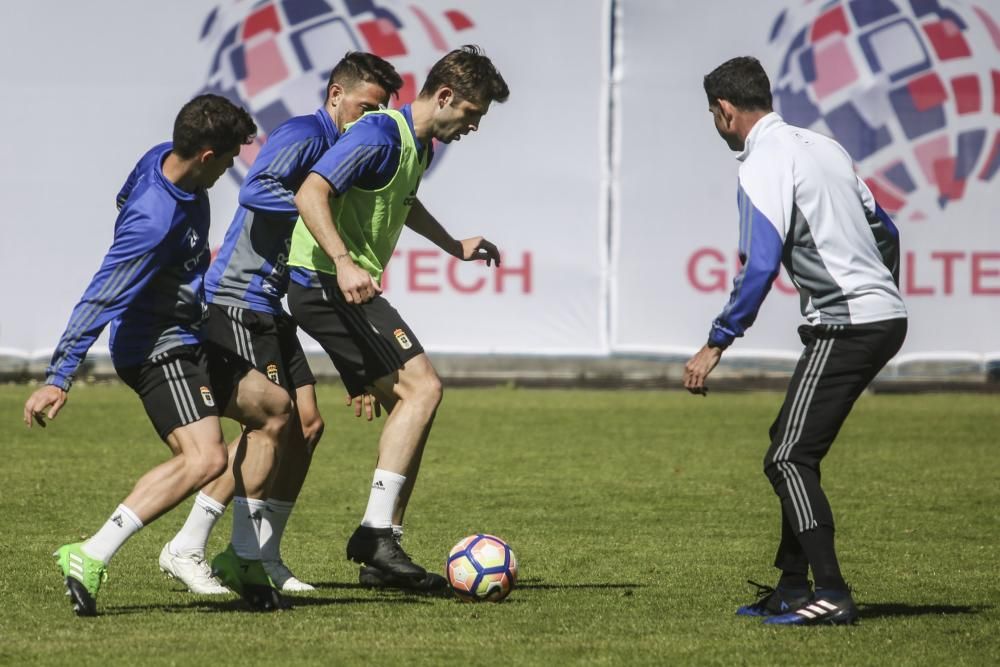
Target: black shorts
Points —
{"points": [[270, 343], [185, 384], [365, 342]]}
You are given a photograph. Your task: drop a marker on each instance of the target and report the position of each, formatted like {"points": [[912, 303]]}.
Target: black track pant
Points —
{"points": [[838, 363]]}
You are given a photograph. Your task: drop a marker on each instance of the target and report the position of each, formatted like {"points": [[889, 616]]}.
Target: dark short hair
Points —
{"points": [[742, 82], [359, 67], [211, 121], [469, 73]]}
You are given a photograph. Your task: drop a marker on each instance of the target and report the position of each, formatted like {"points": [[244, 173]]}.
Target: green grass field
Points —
{"points": [[637, 518]]}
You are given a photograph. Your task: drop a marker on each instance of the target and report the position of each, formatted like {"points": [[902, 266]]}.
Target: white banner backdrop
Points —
{"points": [[913, 94], [93, 85], [88, 87]]}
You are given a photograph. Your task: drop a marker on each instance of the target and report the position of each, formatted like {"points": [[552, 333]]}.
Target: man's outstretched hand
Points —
{"points": [[48, 397], [698, 367], [479, 248]]}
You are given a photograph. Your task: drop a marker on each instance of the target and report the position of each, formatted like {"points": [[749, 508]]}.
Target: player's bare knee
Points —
{"points": [[432, 391], [274, 425], [276, 412], [423, 393]]}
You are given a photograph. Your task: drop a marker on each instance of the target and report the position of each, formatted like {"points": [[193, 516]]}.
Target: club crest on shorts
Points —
{"points": [[272, 373], [206, 396], [402, 339]]}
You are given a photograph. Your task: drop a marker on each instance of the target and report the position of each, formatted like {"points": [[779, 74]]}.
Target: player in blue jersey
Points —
{"points": [[353, 207], [244, 288], [801, 204], [149, 287]]}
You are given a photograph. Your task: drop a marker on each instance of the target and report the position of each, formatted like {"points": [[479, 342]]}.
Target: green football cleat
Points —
{"points": [[248, 578], [84, 576]]}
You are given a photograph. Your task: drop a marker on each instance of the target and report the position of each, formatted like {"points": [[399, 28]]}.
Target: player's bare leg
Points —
{"points": [[264, 409], [411, 396], [388, 400], [411, 478], [301, 438], [199, 457], [417, 391], [250, 458], [199, 454]]}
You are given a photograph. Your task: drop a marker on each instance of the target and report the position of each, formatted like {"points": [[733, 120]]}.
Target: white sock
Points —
{"points": [[382, 499], [122, 525], [272, 527], [397, 532], [192, 538], [247, 515]]}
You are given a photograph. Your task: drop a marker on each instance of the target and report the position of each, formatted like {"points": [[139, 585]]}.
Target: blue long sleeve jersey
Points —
{"points": [[366, 157], [802, 205], [250, 270], [149, 286]]}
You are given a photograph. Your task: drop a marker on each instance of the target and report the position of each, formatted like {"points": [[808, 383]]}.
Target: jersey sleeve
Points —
{"points": [[765, 201], [133, 259], [127, 188], [270, 188], [141, 167], [883, 229], [366, 156]]}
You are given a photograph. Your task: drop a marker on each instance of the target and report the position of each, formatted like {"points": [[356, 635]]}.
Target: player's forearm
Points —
{"points": [[85, 324], [422, 222], [110, 292], [313, 201], [750, 289]]}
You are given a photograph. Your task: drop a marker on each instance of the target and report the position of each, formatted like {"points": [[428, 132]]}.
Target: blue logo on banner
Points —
{"points": [[911, 88], [274, 57]]}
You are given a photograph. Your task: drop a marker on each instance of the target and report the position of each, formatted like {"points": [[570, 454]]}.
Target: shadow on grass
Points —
{"points": [[522, 584], [340, 585], [900, 609], [237, 605], [541, 585]]}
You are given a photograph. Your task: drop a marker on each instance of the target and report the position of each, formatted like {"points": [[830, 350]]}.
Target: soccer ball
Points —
{"points": [[481, 568]]}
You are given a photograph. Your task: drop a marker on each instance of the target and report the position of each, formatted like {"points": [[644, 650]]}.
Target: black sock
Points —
{"points": [[818, 545], [791, 559], [793, 580]]}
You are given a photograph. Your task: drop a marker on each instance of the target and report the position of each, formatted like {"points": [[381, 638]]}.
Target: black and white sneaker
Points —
{"points": [[824, 609], [775, 601], [431, 582], [378, 548], [81, 599]]}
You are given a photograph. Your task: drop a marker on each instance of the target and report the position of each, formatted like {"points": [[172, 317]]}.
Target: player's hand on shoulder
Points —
{"points": [[479, 248], [48, 398], [367, 404]]}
